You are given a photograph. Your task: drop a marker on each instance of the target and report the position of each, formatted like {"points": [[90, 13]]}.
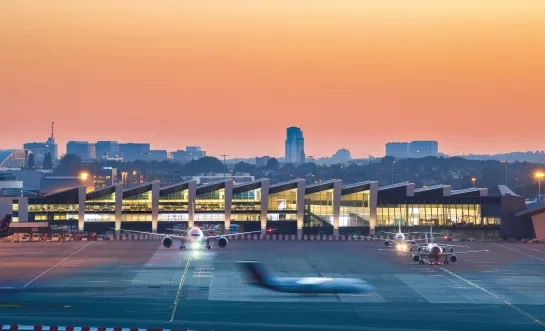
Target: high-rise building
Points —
{"points": [[79, 148], [423, 148], [106, 149], [295, 145], [397, 149], [41, 149]]}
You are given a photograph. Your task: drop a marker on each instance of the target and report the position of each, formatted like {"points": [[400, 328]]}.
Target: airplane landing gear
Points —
{"points": [[208, 245], [182, 246]]}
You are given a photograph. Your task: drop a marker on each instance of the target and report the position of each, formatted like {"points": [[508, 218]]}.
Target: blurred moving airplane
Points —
{"points": [[194, 237], [258, 276]]}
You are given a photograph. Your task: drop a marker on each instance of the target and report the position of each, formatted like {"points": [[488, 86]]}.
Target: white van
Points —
{"points": [[24, 237]]}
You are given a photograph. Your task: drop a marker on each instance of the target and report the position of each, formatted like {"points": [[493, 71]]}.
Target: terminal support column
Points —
{"points": [[82, 196], [373, 195], [191, 196], [337, 188], [300, 207], [228, 203], [155, 188], [118, 206], [265, 183]]}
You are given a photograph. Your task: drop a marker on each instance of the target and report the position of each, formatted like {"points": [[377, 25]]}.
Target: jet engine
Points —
{"points": [[416, 258], [451, 250], [387, 243], [167, 242], [222, 242], [413, 243], [453, 258]]}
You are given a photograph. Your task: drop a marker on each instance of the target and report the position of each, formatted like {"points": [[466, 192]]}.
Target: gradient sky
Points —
{"points": [[231, 76]]}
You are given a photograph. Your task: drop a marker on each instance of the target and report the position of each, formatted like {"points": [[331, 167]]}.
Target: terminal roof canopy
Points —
{"points": [[146, 187], [247, 186], [533, 208], [322, 186], [166, 190], [471, 192], [504, 190], [356, 187], [435, 190], [396, 191], [284, 186], [100, 192], [211, 187], [68, 196]]}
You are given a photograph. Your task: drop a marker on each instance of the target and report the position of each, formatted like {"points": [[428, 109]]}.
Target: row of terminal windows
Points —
{"points": [[428, 214]]}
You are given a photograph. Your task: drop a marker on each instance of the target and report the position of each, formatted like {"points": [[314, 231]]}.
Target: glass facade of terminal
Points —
{"points": [[355, 209], [173, 207], [100, 209], [210, 206], [51, 210], [246, 206], [436, 214], [282, 206], [319, 208], [137, 207]]}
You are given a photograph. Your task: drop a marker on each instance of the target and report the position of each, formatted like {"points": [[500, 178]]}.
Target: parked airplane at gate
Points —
{"points": [[258, 276], [434, 253], [194, 237]]}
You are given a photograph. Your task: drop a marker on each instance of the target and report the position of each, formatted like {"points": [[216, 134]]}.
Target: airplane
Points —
{"points": [[434, 253], [400, 242], [257, 275], [194, 236]]}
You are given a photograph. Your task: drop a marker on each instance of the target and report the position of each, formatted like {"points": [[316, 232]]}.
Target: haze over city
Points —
{"points": [[232, 77]]}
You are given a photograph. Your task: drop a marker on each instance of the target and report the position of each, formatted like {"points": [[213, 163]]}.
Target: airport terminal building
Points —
{"points": [[291, 207]]}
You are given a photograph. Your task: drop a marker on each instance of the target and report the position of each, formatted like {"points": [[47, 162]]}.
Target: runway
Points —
{"points": [[140, 284]]}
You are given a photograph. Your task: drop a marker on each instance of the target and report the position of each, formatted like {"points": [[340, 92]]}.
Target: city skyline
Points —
{"points": [[231, 78]]}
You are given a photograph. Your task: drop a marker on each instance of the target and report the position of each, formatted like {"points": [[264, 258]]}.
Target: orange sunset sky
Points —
{"points": [[230, 76]]}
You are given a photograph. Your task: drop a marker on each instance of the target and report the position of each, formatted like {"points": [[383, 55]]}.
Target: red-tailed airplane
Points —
{"points": [[433, 253]]}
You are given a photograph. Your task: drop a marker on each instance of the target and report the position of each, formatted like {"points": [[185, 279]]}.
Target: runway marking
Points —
{"points": [[53, 267], [514, 250], [531, 249], [182, 280], [509, 304]]}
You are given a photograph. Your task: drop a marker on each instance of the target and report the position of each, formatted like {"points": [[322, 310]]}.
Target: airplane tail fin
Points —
{"points": [[431, 233], [255, 271], [4, 223], [399, 225]]}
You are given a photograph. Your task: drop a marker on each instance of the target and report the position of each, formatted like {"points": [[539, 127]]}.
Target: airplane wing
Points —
{"points": [[466, 252], [449, 245], [178, 230], [156, 234], [229, 235]]}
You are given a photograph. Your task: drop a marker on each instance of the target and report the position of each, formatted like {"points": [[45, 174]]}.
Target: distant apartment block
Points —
{"points": [[83, 149], [262, 161], [134, 151], [189, 154], [107, 149], [414, 149]]}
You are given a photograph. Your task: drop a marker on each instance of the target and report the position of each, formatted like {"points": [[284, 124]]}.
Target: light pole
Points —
{"points": [[473, 179], [506, 163], [224, 165], [539, 177], [393, 163]]}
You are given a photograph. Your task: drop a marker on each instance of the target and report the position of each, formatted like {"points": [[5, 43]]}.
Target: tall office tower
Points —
{"points": [[40, 149], [398, 150], [79, 148], [423, 148], [295, 145], [106, 149]]}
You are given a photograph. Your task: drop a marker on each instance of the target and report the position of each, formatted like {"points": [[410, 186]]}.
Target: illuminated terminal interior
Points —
{"points": [[290, 207]]}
